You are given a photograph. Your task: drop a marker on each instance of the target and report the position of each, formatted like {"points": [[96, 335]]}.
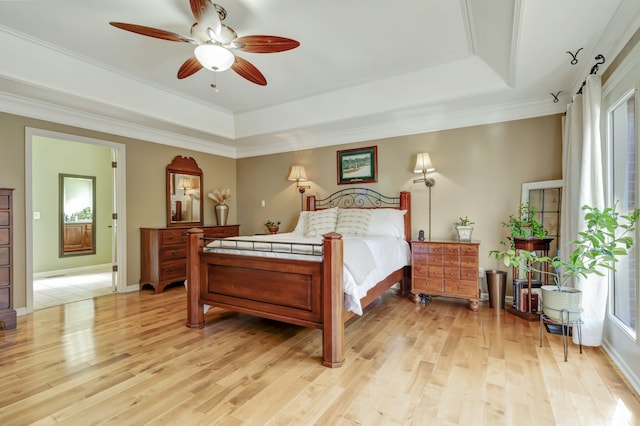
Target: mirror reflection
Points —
{"points": [[185, 198], [184, 193], [77, 214]]}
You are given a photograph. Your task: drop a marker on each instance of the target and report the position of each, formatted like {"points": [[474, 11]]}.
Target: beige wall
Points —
{"points": [[479, 173], [145, 170]]}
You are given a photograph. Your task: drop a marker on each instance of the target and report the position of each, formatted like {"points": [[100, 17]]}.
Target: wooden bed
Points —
{"points": [[298, 292]]}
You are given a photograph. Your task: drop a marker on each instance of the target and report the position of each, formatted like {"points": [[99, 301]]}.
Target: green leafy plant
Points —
{"points": [[270, 223], [463, 221], [524, 224], [607, 235]]}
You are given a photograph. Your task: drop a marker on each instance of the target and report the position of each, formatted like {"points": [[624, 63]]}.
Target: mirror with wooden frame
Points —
{"points": [[184, 193], [77, 195]]}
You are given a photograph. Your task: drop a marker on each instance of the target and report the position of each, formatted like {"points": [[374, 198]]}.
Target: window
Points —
{"points": [[622, 139]]}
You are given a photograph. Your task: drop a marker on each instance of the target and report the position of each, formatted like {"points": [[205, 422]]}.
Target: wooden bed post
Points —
{"points": [[333, 302], [195, 312]]}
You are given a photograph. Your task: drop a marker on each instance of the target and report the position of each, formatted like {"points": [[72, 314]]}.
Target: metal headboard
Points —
{"points": [[353, 197]]}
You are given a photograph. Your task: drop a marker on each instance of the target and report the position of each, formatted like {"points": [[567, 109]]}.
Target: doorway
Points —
{"points": [[89, 273]]}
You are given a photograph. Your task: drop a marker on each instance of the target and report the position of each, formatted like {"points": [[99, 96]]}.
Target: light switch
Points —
{"points": [[36, 215], [263, 203]]}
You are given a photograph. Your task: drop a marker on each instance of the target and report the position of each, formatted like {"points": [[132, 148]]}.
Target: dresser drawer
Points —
{"points": [[461, 288], [167, 254], [5, 236], [5, 256], [427, 285], [221, 232], [173, 271], [419, 248], [5, 297], [452, 273], [173, 236], [436, 272], [468, 274], [469, 250], [468, 262], [4, 276]]}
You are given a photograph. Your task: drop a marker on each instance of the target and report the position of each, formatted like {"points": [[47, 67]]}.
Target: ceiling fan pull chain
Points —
{"points": [[214, 86]]}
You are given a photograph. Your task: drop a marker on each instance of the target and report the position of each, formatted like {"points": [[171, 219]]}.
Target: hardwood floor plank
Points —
{"points": [[129, 359]]}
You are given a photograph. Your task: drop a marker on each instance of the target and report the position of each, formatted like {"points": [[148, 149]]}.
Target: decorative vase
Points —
{"points": [[561, 305], [464, 232], [222, 211], [273, 229]]}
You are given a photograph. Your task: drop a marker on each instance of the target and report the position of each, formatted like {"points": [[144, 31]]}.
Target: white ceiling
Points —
{"points": [[365, 69]]}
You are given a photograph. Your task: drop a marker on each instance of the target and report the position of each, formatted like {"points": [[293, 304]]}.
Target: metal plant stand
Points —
{"points": [[567, 319]]}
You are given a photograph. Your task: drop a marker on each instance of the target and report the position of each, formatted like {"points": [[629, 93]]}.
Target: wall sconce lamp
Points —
{"points": [[424, 166], [298, 175]]}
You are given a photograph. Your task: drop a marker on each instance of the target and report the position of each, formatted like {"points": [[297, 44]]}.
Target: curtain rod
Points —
{"points": [[594, 69]]}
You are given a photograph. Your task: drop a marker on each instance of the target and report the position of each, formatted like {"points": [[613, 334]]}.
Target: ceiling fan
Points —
{"points": [[215, 42]]}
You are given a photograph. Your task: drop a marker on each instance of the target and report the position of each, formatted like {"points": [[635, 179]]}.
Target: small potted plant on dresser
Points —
{"points": [[272, 226], [464, 228]]}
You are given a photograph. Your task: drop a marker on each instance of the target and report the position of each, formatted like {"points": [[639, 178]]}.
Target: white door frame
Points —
{"points": [[120, 197]]}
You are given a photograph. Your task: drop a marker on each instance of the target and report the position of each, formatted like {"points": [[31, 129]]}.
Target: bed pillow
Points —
{"points": [[388, 222], [321, 222], [353, 222], [301, 226]]}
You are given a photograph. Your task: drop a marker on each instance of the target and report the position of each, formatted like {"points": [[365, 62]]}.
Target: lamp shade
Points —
{"points": [[423, 163], [185, 183], [297, 173], [214, 57]]}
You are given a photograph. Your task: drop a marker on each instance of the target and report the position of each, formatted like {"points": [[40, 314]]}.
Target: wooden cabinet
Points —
{"points": [[7, 313], [443, 268], [78, 237], [163, 253]]}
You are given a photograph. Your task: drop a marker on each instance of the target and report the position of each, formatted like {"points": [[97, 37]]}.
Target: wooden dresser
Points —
{"points": [[163, 253], [445, 268], [7, 313]]}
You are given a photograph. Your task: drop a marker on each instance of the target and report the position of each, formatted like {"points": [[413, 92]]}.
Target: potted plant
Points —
{"points": [[525, 224], [464, 228], [607, 235], [273, 227]]}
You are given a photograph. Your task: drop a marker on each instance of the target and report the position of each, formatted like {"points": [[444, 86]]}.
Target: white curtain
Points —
{"points": [[584, 184]]}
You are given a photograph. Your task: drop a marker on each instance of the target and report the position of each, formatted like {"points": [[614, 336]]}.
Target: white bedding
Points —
{"points": [[367, 260]]}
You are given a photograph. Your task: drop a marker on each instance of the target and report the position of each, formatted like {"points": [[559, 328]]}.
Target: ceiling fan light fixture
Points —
{"points": [[214, 57]]}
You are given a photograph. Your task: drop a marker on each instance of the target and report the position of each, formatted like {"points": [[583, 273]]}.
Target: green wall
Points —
{"points": [[50, 157]]}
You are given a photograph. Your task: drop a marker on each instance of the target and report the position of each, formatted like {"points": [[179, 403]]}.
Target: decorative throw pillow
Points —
{"points": [[321, 222], [301, 226], [388, 222], [353, 222]]}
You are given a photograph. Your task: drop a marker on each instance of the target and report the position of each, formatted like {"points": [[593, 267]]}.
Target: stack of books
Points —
{"points": [[521, 295]]}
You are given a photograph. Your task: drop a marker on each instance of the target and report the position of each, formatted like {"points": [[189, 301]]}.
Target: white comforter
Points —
{"points": [[367, 260]]}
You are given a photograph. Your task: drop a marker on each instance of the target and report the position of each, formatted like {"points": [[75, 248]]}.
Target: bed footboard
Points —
{"points": [[304, 293]]}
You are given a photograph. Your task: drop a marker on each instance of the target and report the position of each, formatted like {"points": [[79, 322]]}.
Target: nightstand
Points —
{"points": [[445, 268]]}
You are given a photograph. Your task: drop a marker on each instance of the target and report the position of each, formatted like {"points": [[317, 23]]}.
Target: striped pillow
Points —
{"points": [[321, 222], [353, 222]]}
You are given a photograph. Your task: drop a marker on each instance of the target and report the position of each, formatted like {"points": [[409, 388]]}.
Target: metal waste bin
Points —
{"points": [[496, 285]]}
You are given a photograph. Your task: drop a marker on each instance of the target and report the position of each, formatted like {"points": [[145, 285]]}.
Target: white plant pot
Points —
{"points": [[561, 305], [464, 232]]}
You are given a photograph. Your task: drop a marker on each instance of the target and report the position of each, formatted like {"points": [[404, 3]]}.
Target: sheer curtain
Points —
{"points": [[584, 184]]}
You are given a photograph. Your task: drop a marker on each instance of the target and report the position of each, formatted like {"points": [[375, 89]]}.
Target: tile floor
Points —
{"points": [[61, 289]]}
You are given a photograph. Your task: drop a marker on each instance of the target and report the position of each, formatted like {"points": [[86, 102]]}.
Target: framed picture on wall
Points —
{"points": [[359, 165]]}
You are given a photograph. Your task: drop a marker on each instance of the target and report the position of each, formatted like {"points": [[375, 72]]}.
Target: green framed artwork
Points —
{"points": [[359, 165]]}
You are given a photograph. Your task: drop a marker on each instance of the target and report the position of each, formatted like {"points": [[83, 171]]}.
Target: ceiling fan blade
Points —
{"points": [[153, 32], [247, 70], [190, 67], [206, 15], [266, 44]]}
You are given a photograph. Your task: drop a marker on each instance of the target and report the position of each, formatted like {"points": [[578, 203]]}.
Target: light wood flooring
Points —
{"points": [[130, 360]]}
